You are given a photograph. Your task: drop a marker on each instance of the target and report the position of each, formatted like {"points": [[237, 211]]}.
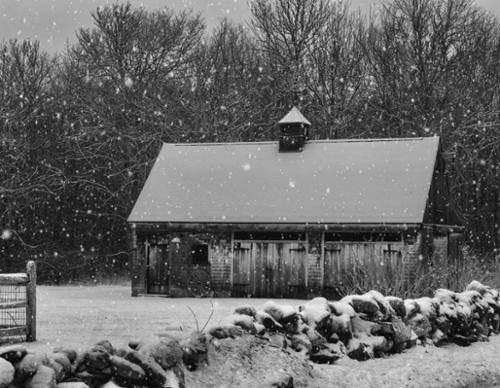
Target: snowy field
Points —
{"points": [[80, 316]]}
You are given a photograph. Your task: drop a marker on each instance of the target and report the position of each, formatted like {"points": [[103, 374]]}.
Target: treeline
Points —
{"points": [[79, 131]]}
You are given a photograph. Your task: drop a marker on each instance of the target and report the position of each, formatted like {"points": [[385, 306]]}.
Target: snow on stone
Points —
{"points": [[278, 311], [362, 303], [315, 311], [428, 306], [411, 307], [382, 301], [339, 308]]}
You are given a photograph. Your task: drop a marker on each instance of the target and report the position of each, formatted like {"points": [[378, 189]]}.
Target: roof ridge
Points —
{"points": [[318, 141]]}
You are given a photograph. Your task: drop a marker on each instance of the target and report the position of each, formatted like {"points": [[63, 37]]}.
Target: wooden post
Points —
{"points": [[232, 262], [322, 260], [31, 302]]}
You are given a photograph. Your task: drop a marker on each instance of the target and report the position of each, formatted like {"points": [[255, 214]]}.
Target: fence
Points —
{"points": [[18, 306]]}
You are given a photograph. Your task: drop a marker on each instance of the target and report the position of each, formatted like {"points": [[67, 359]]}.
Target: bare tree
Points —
{"points": [[286, 30]]}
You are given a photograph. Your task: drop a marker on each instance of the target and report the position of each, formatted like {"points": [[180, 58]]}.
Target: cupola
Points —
{"points": [[294, 131]]}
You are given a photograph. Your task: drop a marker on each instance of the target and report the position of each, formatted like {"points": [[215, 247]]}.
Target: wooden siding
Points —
{"points": [[343, 261], [158, 268], [269, 269]]}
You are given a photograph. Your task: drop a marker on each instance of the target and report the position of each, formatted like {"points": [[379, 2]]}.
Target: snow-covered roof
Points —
{"points": [[294, 116], [342, 181]]}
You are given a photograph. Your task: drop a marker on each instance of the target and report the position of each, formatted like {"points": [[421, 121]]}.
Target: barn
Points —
{"points": [[291, 218]]}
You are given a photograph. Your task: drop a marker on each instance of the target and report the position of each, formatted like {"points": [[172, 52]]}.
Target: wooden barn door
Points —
{"points": [[268, 269], [343, 262], [294, 264], [243, 268], [158, 269], [334, 265]]}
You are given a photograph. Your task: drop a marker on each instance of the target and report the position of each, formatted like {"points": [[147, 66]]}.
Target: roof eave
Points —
{"points": [[268, 226]]}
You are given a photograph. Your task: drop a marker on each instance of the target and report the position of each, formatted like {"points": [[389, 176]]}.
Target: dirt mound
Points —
{"points": [[250, 361]]}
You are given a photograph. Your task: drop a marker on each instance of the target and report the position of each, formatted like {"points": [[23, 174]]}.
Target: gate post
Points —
{"points": [[31, 302]]}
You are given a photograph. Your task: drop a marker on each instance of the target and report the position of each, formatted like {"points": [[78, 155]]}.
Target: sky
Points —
{"points": [[54, 22]]}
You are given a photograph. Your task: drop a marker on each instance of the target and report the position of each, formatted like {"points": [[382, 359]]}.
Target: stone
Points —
{"points": [[111, 384], [167, 353], [134, 344], [384, 306], [60, 373], [269, 322], [6, 373], [44, 377], [339, 308], [93, 379], [246, 310], [324, 356], [317, 340], [438, 337], [315, 312], [443, 324], [97, 359], [359, 351], [283, 380], [72, 354], [155, 375], [402, 334], [398, 305], [13, 353], [259, 328], [246, 322], [477, 286], [420, 325], [360, 325], [120, 352], [29, 365], [127, 369], [195, 351], [63, 360], [279, 312], [77, 384], [226, 331], [364, 304], [106, 345], [341, 325], [301, 343], [411, 308], [175, 378]]}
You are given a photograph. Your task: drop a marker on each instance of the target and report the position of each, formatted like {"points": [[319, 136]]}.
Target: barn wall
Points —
{"points": [[441, 248], [137, 264], [185, 278], [215, 278], [413, 257], [189, 279], [220, 265], [314, 263]]}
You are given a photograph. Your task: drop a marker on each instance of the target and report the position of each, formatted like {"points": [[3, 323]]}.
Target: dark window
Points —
{"points": [[274, 236], [199, 254], [363, 237]]}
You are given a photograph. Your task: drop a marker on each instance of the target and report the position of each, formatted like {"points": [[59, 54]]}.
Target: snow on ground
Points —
{"points": [[80, 316]]}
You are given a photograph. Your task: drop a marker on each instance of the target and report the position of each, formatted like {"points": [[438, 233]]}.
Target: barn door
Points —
{"points": [[243, 268], [333, 265], [269, 269], [294, 269], [158, 269]]}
